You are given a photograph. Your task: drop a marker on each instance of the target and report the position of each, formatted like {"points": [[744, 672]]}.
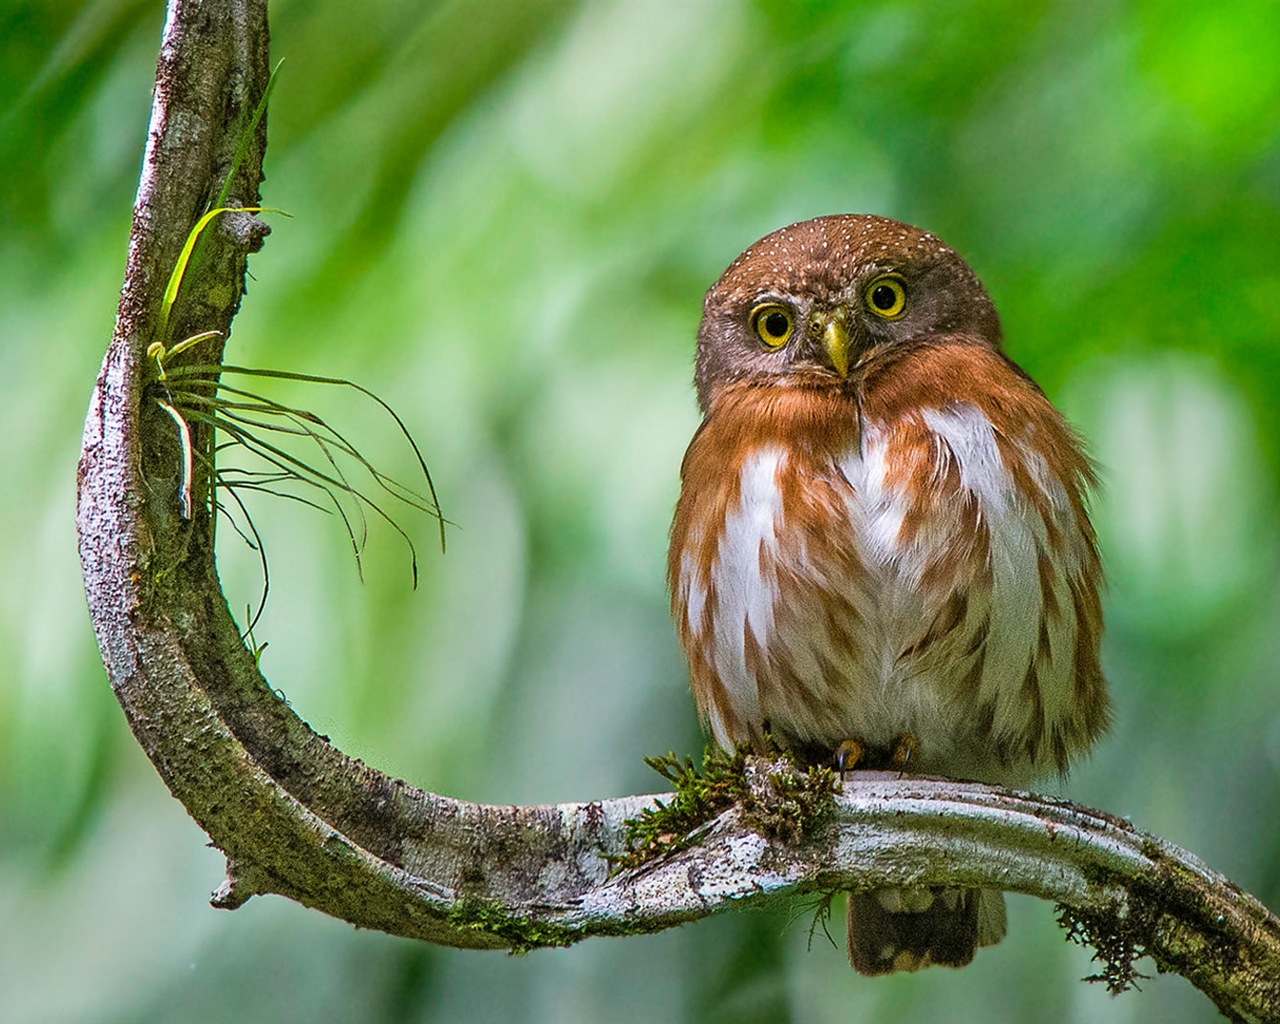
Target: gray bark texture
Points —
{"points": [[297, 817]]}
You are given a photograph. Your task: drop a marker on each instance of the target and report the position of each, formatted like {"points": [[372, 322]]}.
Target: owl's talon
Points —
{"points": [[847, 756], [904, 749]]}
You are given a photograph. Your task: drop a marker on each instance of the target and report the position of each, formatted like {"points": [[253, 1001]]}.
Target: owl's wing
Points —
{"points": [[988, 488]]}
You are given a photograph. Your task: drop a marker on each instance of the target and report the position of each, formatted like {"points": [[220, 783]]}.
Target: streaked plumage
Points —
{"points": [[903, 548]]}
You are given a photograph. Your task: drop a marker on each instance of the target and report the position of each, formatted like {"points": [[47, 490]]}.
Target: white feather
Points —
{"points": [[744, 598], [1016, 535]]}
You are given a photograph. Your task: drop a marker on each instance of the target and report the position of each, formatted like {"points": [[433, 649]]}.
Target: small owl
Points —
{"points": [[882, 553]]}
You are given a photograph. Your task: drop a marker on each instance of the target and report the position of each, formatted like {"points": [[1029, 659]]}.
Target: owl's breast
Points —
{"points": [[922, 574], [812, 596]]}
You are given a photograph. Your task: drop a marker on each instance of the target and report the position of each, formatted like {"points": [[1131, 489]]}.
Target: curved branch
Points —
{"points": [[297, 817]]}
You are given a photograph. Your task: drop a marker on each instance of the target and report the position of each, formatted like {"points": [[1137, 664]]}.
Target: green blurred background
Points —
{"points": [[505, 216]]}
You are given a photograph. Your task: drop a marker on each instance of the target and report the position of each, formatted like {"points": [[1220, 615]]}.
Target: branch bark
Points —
{"points": [[299, 818]]}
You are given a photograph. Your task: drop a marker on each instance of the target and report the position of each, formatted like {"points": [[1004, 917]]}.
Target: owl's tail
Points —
{"points": [[906, 929]]}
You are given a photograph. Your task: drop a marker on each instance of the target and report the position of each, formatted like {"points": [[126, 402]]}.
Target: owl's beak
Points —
{"points": [[835, 342]]}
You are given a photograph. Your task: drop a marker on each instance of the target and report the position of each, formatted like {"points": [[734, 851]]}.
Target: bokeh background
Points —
{"points": [[505, 216]]}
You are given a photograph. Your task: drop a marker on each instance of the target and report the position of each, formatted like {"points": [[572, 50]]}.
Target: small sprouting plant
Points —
{"points": [[335, 477], [792, 806], [701, 794]]}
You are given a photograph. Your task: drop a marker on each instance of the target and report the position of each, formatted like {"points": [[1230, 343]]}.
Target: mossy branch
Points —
{"points": [[297, 817]]}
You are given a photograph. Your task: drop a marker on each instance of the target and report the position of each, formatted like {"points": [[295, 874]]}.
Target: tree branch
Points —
{"points": [[297, 817]]}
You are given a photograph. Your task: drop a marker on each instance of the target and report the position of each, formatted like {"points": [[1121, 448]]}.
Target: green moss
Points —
{"points": [[798, 806], [1169, 917], [1172, 891], [793, 806], [520, 933]]}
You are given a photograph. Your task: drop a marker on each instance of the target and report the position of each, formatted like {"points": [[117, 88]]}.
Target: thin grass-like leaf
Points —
{"points": [[296, 468], [287, 465], [246, 136], [226, 513], [187, 343], [268, 407], [342, 484], [276, 494], [247, 420], [261, 548], [210, 373], [184, 257], [263, 480], [393, 486], [252, 477]]}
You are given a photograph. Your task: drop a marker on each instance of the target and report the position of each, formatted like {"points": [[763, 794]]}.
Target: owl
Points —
{"points": [[881, 554]]}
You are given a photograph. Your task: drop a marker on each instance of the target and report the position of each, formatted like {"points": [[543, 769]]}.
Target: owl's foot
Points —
{"points": [[847, 756], [853, 753], [904, 750]]}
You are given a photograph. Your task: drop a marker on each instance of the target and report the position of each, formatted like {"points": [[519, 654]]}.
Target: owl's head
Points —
{"points": [[820, 300]]}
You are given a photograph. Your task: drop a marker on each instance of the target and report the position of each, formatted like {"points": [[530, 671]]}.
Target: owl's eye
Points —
{"points": [[886, 297], [773, 323]]}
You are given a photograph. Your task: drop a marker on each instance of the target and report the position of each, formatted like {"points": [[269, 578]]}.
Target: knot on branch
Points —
{"points": [[247, 231], [242, 883]]}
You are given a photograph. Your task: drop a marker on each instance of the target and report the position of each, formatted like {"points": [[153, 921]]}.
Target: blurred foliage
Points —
{"points": [[505, 217]]}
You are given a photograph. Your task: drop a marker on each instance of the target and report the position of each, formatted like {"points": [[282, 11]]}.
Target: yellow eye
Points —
{"points": [[773, 323], [886, 297]]}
